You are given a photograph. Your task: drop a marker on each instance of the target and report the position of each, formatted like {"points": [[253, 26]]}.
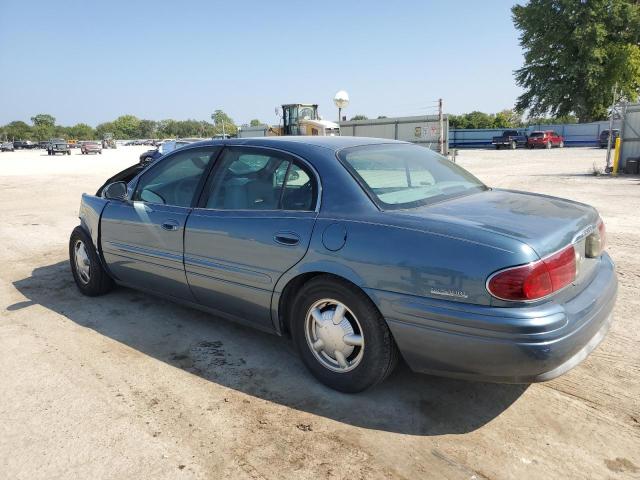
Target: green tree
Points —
{"points": [[255, 123], [126, 126], [575, 52], [507, 119], [359, 117], [18, 130], [81, 131], [43, 119], [219, 117], [43, 126], [147, 129]]}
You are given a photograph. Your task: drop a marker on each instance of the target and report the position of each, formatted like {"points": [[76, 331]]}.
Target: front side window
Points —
{"points": [[244, 180], [406, 176], [174, 180]]}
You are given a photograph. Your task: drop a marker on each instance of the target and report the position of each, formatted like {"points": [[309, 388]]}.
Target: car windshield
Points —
{"points": [[406, 176]]}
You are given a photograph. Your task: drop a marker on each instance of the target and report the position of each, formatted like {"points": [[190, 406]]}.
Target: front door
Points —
{"points": [[143, 238], [253, 224]]}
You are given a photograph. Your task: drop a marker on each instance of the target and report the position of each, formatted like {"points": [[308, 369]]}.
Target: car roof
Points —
{"points": [[331, 143]]}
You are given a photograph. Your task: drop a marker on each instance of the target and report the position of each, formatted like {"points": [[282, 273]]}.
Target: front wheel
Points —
{"points": [[514, 145], [548, 145], [341, 336], [90, 277]]}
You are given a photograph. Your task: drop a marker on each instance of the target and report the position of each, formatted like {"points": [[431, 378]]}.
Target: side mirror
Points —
{"points": [[115, 191]]}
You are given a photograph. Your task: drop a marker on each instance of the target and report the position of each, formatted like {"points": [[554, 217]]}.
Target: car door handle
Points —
{"points": [[287, 238], [170, 225]]}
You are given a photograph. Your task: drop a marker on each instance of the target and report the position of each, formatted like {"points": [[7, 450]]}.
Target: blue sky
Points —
{"points": [[92, 61]]}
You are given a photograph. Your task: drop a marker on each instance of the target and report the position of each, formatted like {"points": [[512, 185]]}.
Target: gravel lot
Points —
{"points": [[130, 386]]}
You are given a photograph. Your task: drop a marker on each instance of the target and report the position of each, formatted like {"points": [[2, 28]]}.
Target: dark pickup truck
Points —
{"points": [[511, 139]]}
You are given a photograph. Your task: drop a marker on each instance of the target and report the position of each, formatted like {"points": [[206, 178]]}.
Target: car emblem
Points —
{"points": [[449, 293]]}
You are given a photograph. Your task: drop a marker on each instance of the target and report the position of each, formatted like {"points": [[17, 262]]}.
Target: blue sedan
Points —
{"points": [[360, 250]]}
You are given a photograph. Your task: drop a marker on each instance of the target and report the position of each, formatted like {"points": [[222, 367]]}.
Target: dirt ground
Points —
{"points": [[128, 386]]}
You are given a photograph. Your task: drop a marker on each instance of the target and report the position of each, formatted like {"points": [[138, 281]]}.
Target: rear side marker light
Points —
{"points": [[596, 241], [535, 280]]}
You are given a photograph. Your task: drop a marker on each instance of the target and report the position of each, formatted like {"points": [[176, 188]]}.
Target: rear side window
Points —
{"points": [[270, 181], [406, 176]]}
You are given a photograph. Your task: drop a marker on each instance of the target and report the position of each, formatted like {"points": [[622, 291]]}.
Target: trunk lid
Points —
{"points": [[545, 223]]}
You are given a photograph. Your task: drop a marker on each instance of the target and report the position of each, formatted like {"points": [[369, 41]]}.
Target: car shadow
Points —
{"points": [[263, 365]]}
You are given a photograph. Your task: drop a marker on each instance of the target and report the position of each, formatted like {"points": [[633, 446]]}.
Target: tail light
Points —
{"points": [[536, 279]]}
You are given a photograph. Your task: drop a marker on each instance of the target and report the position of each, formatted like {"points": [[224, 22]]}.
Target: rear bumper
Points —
{"points": [[510, 345]]}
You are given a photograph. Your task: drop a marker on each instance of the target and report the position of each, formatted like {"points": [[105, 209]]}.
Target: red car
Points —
{"points": [[546, 139], [90, 147]]}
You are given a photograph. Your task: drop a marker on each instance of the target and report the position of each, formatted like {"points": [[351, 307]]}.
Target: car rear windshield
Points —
{"points": [[536, 134], [407, 176]]}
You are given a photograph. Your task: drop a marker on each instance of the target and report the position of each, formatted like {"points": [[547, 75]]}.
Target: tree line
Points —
{"points": [[43, 127]]}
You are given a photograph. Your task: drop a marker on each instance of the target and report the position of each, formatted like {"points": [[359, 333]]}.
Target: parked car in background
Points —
{"points": [[292, 236], [74, 143], [24, 144], [7, 147], [545, 139], [90, 147], [511, 139], [58, 145], [604, 138], [164, 148], [44, 144]]}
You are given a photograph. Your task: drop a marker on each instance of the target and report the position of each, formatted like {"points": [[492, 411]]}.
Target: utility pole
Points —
{"points": [[441, 122], [611, 113]]}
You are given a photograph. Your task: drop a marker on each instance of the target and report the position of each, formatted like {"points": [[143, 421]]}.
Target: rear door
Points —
{"points": [[142, 239], [254, 222]]}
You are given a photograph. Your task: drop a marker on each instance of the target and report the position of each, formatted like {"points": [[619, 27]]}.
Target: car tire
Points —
{"points": [[513, 145], [90, 277], [366, 359], [548, 145], [561, 144], [497, 147]]}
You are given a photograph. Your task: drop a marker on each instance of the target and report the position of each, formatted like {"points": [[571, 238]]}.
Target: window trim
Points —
{"points": [[213, 158], [203, 197]]}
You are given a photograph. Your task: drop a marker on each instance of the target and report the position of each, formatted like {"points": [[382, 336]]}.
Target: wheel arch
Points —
{"points": [[289, 285]]}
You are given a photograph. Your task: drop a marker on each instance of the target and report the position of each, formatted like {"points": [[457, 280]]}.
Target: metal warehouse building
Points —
{"points": [[630, 133]]}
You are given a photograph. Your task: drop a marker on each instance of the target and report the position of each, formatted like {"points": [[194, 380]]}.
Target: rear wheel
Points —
{"points": [[341, 336], [514, 145], [90, 277]]}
